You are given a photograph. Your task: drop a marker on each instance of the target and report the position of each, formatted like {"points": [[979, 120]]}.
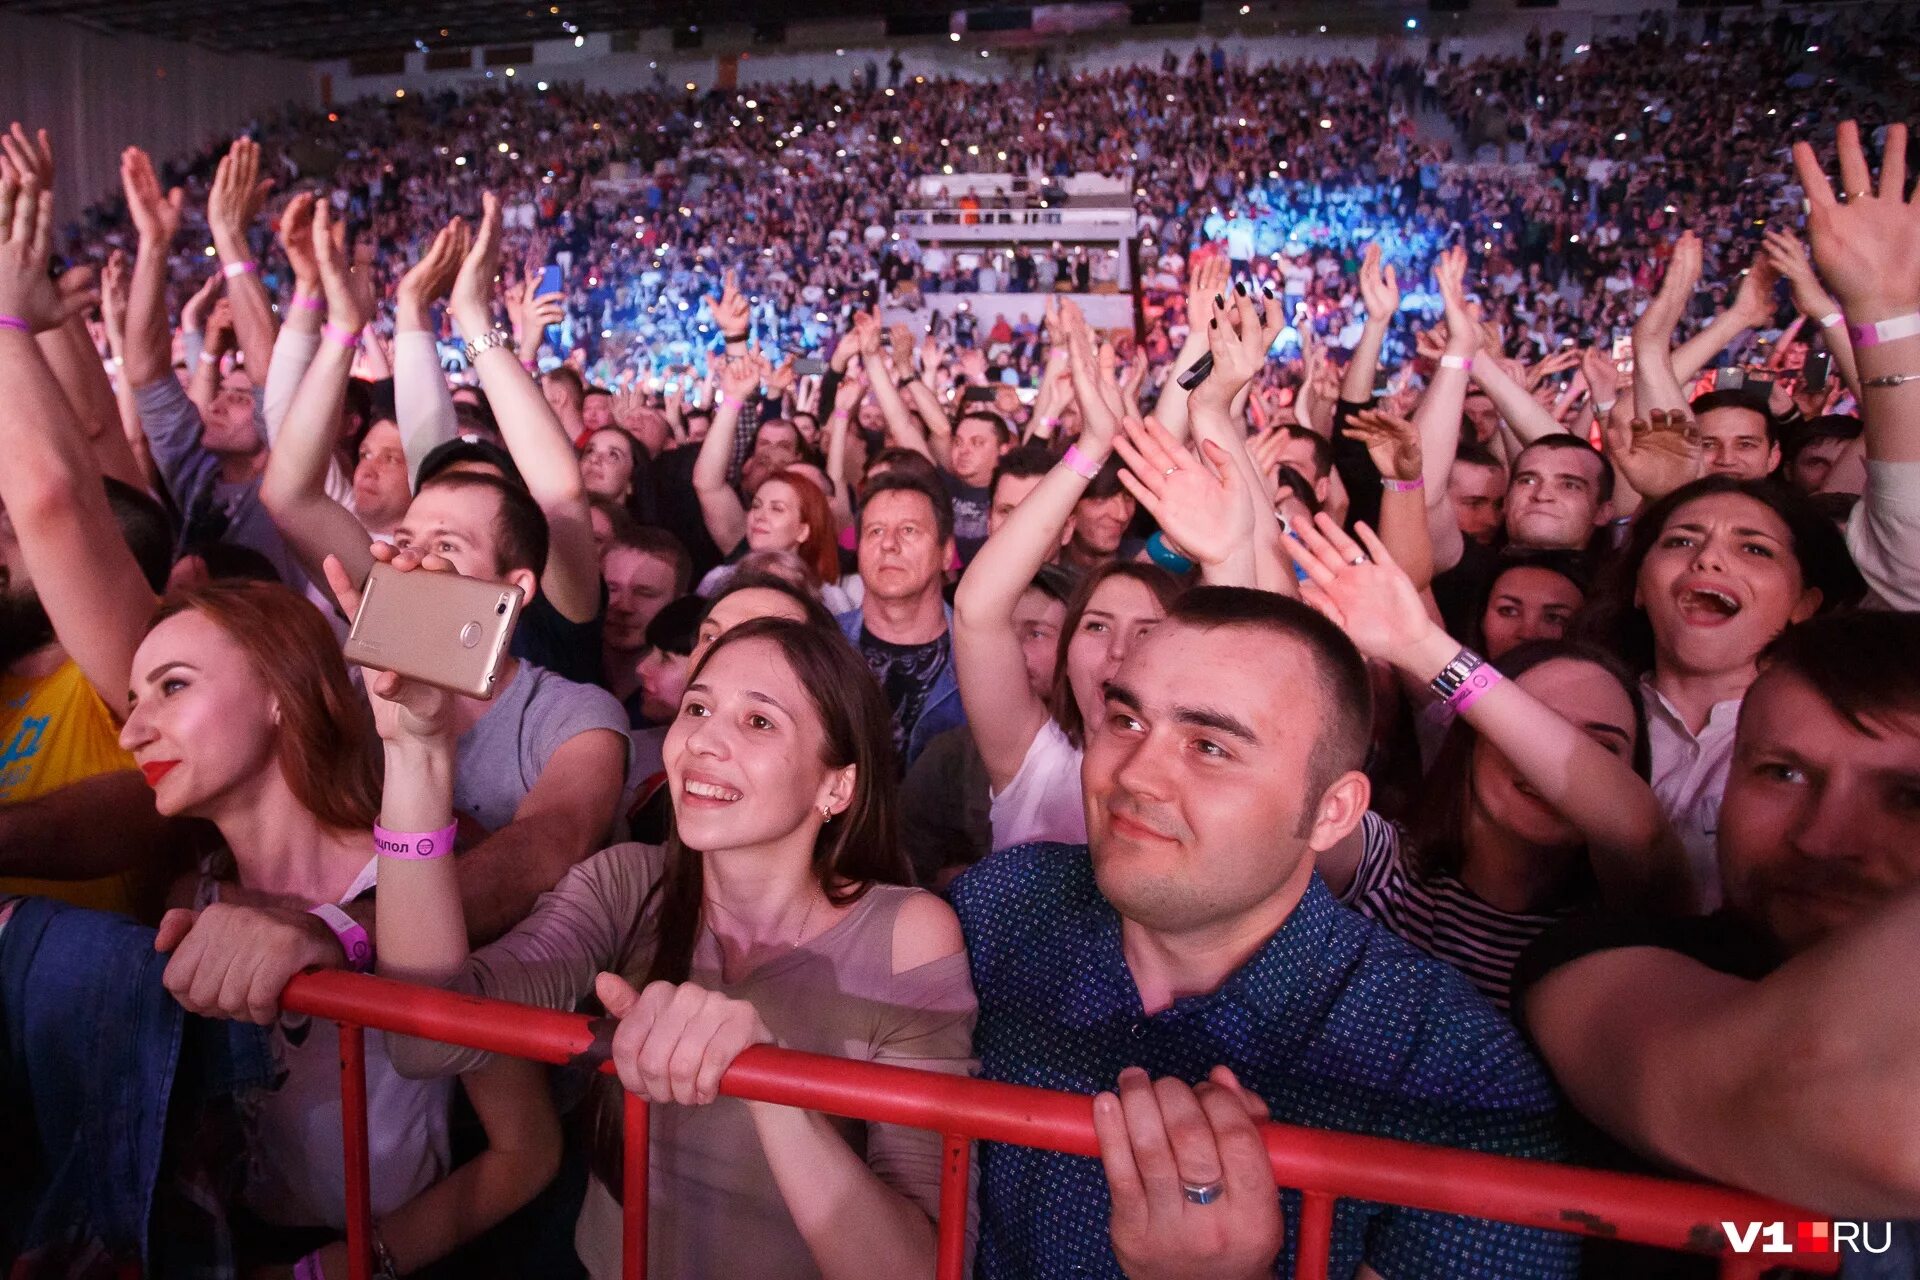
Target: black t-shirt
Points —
{"points": [[547, 638], [971, 503], [678, 507], [907, 674], [1461, 592]]}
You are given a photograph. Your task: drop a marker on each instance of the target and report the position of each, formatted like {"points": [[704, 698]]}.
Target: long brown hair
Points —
{"points": [[820, 549], [1165, 588], [325, 744], [857, 850]]}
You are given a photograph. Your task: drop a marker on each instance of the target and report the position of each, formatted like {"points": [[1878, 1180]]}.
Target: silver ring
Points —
{"points": [[1858, 195], [1201, 1192], [1360, 559], [1169, 471]]}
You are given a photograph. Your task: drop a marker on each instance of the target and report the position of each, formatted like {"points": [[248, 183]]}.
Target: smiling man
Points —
{"points": [[1191, 962]]}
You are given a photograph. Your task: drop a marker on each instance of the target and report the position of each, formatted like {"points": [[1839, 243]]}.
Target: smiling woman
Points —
{"points": [[777, 912]]}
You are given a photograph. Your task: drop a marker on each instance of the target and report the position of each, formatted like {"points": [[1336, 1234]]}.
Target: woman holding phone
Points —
{"points": [[776, 913]]}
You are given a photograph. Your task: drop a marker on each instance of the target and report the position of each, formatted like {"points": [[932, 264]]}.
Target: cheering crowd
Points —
{"points": [[1477, 710]]}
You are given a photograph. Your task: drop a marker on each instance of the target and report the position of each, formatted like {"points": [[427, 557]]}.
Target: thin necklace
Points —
{"points": [[805, 920]]}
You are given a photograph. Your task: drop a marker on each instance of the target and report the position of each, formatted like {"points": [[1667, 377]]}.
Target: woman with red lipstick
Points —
{"points": [[1713, 572], [240, 712], [777, 913]]}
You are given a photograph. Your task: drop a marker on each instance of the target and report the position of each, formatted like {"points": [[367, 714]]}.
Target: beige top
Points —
{"points": [[716, 1211]]}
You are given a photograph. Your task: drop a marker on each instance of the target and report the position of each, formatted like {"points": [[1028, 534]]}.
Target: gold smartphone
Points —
{"points": [[438, 628]]}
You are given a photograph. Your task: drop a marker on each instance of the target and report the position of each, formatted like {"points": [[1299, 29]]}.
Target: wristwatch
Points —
{"points": [[1455, 674], [487, 342]]}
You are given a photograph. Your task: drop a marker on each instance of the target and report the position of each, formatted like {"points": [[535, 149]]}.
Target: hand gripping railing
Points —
{"points": [[1325, 1166]]}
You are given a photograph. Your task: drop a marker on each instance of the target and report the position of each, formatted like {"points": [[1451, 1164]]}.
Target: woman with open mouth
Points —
{"points": [[1712, 573]]}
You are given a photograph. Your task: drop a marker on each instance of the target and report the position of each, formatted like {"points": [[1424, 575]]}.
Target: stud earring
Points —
{"points": [[826, 813]]}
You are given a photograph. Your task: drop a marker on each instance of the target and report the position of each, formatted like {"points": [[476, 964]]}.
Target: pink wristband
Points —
{"points": [[345, 337], [1481, 679], [414, 846], [1402, 486], [1079, 463], [1463, 363], [16, 323], [352, 935], [315, 303], [234, 270]]}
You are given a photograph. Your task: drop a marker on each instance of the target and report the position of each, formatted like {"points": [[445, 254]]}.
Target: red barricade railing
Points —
{"points": [[1325, 1166]]}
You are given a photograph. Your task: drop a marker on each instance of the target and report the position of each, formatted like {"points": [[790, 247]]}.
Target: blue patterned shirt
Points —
{"points": [[1335, 1022]]}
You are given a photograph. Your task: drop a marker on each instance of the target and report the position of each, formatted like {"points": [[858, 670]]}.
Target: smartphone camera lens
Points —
{"points": [[500, 610]]}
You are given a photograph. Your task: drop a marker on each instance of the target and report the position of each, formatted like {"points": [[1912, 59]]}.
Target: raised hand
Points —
{"points": [[1239, 340], [740, 375], [1359, 587], [235, 198], [26, 240], [349, 294], [1393, 443], [1656, 454], [1101, 408], [1753, 300], [1669, 302], [1463, 327], [1602, 375], [431, 278], [115, 286], [1868, 249], [731, 312], [31, 157], [472, 295], [779, 379], [1789, 257], [1205, 509], [155, 213], [296, 241], [676, 1041], [219, 335], [1379, 287], [1204, 282]]}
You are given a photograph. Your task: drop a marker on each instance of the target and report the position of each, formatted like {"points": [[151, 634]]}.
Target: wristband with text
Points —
{"points": [[1079, 463], [234, 270], [414, 846], [353, 936], [1890, 330], [1462, 363], [309, 302], [1392, 485], [345, 337]]}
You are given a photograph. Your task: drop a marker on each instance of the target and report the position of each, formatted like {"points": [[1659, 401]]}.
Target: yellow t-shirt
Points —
{"points": [[55, 730]]}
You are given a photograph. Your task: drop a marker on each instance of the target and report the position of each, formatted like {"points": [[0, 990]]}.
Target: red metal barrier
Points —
{"points": [[1325, 1166]]}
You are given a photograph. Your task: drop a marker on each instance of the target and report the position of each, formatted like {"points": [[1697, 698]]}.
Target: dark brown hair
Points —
{"points": [[1437, 831], [857, 850], [1165, 588], [325, 742], [1861, 664]]}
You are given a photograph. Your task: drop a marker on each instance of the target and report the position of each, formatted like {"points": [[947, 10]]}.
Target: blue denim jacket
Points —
{"points": [[90, 1049]]}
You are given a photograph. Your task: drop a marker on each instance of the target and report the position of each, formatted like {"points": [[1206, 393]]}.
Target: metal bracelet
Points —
{"points": [[1892, 380]]}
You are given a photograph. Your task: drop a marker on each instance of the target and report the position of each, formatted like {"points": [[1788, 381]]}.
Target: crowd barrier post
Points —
{"points": [[1324, 1166]]}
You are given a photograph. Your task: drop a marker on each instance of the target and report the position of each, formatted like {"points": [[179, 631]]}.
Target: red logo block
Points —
{"points": [[1814, 1237]]}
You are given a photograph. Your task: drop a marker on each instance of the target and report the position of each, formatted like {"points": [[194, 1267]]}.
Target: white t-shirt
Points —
{"points": [[1043, 802]]}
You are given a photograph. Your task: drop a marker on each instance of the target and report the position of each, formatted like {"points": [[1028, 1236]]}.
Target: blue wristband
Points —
{"points": [[1165, 556]]}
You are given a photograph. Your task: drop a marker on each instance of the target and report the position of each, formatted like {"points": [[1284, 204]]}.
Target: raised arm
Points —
{"points": [[232, 205], [1633, 852], [1528, 418], [421, 400], [1002, 711], [720, 505], [1205, 283], [1751, 308], [1789, 258], [1380, 293], [540, 446], [79, 565], [293, 488], [902, 429], [156, 216], [299, 337], [1441, 406], [1393, 444], [1656, 385]]}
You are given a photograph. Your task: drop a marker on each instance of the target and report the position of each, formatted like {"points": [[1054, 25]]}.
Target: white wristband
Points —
{"points": [[1601, 408], [1890, 330], [1832, 320], [1463, 363]]}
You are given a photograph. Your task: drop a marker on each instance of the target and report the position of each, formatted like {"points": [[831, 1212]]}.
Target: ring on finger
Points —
{"points": [[1169, 471], [1201, 1192], [1359, 559]]}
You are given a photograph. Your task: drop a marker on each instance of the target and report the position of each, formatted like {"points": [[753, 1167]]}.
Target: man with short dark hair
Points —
{"points": [[645, 568], [1192, 939], [1477, 488], [1017, 474], [903, 627], [1736, 435], [1100, 521], [1808, 457]]}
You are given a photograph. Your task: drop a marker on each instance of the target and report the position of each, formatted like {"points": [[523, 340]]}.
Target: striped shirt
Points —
{"points": [[1439, 915]]}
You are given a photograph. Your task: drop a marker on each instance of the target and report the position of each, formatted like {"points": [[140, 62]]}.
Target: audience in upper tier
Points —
{"points": [[1445, 675]]}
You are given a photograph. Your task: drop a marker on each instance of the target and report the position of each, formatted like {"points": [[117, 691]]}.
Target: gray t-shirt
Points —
{"points": [[501, 757]]}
